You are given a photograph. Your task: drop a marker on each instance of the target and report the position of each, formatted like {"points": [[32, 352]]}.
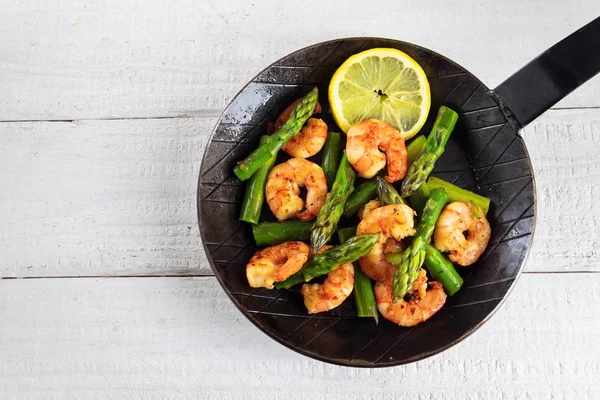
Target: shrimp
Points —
{"points": [[420, 304], [367, 208], [395, 222], [276, 263], [448, 235], [283, 189], [337, 287], [285, 115], [311, 138], [365, 143], [309, 141]]}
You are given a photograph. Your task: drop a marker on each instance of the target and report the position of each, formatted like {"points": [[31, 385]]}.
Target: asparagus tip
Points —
{"points": [[375, 314]]}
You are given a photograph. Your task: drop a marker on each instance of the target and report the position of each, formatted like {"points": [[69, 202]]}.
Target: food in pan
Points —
{"points": [[359, 213]]}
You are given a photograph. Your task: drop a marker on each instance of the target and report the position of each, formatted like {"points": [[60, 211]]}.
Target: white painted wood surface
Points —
{"points": [[107, 192], [104, 198], [101, 197], [129, 58], [181, 338]]}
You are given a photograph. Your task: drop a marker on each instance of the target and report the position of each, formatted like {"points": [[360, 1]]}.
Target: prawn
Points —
{"points": [[365, 142], [310, 139], [421, 303], [337, 287], [455, 219], [276, 263], [367, 208], [283, 189], [286, 114], [395, 222]]}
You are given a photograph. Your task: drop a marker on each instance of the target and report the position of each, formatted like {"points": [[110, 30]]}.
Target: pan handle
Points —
{"points": [[551, 76]]}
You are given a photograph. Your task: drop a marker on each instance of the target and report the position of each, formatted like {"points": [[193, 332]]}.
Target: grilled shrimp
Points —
{"points": [[455, 219], [283, 189], [276, 263], [309, 141], [285, 115], [367, 208], [311, 138], [365, 143], [395, 222], [337, 287], [420, 304]]}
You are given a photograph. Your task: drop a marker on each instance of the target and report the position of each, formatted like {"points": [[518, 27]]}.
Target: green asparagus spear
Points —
{"points": [[363, 288], [387, 193], [246, 168], [456, 193], [272, 233], [410, 261], [419, 197], [362, 194], [255, 190], [332, 210], [432, 150], [414, 148], [442, 270], [331, 156], [330, 259]]}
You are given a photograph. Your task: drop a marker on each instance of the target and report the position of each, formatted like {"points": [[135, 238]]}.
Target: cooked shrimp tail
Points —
{"points": [[395, 222], [309, 141], [372, 144], [276, 264], [455, 219], [283, 189], [422, 302], [311, 138], [331, 293]]}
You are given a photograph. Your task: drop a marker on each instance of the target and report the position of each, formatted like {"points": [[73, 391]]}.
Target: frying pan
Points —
{"points": [[485, 154]]}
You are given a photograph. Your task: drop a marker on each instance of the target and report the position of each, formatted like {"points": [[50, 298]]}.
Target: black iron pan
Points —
{"points": [[485, 154]]}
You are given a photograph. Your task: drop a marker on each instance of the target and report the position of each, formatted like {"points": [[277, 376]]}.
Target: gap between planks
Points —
{"points": [[203, 114]]}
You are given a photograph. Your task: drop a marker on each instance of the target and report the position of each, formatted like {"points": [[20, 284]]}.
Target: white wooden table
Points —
{"points": [[106, 107]]}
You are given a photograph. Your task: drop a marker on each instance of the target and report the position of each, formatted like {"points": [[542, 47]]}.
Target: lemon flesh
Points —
{"points": [[383, 84]]}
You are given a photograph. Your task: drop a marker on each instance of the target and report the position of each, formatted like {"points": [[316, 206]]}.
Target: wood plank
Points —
{"points": [[564, 147], [102, 198], [126, 58], [181, 338]]}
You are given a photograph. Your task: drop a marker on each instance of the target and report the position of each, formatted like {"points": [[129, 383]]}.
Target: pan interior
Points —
{"points": [[484, 154]]}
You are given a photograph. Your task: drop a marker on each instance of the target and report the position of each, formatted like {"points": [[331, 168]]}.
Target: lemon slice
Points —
{"points": [[383, 84]]}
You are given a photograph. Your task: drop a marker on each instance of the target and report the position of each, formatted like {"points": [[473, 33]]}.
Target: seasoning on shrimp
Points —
{"points": [[285, 115], [276, 263], [395, 222], [367, 208], [310, 140], [365, 143], [455, 219], [283, 189], [332, 292], [421, 302]]}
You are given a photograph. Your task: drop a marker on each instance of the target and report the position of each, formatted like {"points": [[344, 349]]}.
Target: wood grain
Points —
{"points": [[106, 198], [182, 338], [101, 197], [565, 148], [130, 58]]}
